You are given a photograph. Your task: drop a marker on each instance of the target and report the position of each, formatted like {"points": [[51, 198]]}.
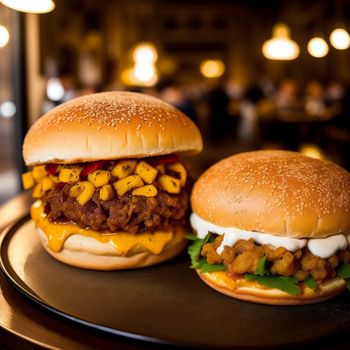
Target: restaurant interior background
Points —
{"points": [[251, 74]]}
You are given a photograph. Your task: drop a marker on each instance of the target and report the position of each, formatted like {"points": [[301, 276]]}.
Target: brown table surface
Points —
{"points": [[24, 325]]}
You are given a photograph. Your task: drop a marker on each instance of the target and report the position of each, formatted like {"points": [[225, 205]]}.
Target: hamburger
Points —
{"points": [[272, 227], [111, 191]]}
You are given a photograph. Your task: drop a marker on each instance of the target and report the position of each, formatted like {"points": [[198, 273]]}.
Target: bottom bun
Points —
{"points": [[88, 253], [252, 291]]}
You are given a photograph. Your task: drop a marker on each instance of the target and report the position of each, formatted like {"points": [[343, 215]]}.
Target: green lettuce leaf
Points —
{"points": [[261, 268], [250, 276], [198, 262], [310, 282], [194, 250], [191, 236], [286, 284], [206, 267], [343, 271]]}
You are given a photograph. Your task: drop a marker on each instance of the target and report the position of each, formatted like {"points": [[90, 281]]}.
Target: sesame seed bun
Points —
{"points": [[110, 125], [88, 253], [277, 192], [252, 291]]}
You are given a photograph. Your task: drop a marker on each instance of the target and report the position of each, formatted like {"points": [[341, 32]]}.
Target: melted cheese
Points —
{"points": [[57, 234]]}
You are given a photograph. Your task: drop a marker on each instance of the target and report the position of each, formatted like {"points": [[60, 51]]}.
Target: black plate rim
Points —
{"points": [[5, 237], [7, 233]]}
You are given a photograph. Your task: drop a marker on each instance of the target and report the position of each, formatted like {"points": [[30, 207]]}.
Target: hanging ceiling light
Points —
{"points": [[212, 68], [4, 36], [280, 46], [30, 6], [144, 72], [340, 39], [317, 47], [145, 52]]}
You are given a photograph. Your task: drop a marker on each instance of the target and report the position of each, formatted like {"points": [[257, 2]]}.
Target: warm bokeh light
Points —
{"points": [[30, 6], [317, 47], [127, 77], [7, 109], [212, 68], [4, 36], [145, 53], [340, 39], [145, 74], [54, 89], [312, 151], [280, 46]]}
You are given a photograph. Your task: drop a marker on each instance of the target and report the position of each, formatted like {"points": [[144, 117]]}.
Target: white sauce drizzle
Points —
{"points": [[322, 247], [326, 247]]}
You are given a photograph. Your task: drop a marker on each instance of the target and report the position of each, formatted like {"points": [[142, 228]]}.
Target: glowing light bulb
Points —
{"points": [[317, 47], [7, 109], [280, 46], [340, 39], [4, 36], [145, 74], [212, 68], [30, 6], [54, 89], [145, 53], [311, 151]]}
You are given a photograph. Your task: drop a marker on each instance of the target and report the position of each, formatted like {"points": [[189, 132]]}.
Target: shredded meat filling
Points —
{"points": [[244, 256], [128, 213]]}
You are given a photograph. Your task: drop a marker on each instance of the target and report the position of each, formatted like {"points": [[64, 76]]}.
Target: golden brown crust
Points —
{"points": [[87, 253], [110, 125], [252, 291], [278, 192]]}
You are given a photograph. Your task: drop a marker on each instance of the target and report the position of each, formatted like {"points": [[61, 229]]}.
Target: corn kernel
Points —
{"points": [[55, 179], [99, 177], [69, 174], [147, 191], [146, 172], [128, 183], [75, 190], [179, 168], [47, 184], [106, 193], [124, 168], [170, 184], [27, 180], [87, 192], [38, 191], [39, 172]]}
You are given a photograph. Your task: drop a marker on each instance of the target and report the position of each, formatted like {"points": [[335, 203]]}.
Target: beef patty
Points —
{"points": [[132, 214]]}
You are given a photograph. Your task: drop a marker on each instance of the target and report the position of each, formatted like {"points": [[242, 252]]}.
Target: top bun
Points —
{"points": [[277, 192], [110, 125]]}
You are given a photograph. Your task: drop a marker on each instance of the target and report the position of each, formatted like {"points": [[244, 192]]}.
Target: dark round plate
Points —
{"points": [[166, 304]]}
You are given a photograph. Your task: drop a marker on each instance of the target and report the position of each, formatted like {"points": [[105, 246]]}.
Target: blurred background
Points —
{"points": [[251, 74]]}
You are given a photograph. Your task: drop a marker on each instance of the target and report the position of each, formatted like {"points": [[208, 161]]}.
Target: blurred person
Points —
{"points": [[176, 97], [338, 95], [235, 92], [267, 87], [248, 127], [335, 92], [314, 99], [337, 103], [286, 97], [69, 86]]}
